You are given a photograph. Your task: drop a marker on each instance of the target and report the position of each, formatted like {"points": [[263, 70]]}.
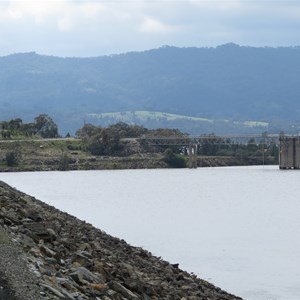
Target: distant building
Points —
{"points": [[289, 154]]}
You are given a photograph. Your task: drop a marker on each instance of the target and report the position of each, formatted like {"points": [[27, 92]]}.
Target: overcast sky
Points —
{"points": [[93, 28]]}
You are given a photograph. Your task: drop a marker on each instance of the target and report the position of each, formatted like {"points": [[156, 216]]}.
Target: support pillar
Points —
{"points": [[192, 156]]}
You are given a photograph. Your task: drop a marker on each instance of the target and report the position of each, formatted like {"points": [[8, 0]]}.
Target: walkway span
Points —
{"points": [[193, 142]]}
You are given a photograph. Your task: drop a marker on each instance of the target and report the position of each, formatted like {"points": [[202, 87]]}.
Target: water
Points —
{"points": [[236, 227]]}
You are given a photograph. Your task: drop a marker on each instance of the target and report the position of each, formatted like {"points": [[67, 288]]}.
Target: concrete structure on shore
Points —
{"points": [[289, 154]]}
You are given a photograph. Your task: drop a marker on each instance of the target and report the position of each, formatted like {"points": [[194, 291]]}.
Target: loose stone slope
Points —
{"points": [[48, 254]]}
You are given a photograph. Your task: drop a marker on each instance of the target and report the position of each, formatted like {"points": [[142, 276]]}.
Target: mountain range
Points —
{"points": [[227, 89]]}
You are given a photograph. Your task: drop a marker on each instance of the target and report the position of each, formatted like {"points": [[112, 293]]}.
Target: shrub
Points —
{"points": [[11, 158], [174, 160], [64, 162]]}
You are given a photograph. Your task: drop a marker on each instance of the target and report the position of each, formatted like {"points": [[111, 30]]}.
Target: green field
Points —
{"points": [[132, 117]]}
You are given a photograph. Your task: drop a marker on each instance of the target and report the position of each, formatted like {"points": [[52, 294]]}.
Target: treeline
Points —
{"points": [[42, 126], [107, 140]]}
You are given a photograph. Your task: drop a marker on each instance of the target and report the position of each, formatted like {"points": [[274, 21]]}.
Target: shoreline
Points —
{"points": [[124, 163], [69, 257], [52, 155]]}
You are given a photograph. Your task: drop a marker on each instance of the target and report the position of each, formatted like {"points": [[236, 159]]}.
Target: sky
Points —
{"points": [[103, 27]]}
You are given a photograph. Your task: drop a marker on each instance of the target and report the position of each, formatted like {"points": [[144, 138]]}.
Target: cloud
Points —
{"points": [[150, 25], [63, 12], [84, 27], [38, 11], [65, 24], [218, 5]]}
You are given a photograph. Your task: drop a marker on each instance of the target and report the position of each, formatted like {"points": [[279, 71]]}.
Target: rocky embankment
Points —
{"points": [[48, 254]]}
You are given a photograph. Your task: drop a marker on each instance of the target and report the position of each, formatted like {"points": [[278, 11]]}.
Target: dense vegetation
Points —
{"points": [[227, 85], [43, 126], [108, 141], [117, 140]]}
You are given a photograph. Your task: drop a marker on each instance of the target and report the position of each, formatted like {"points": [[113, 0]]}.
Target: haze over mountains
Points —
{"points": [[227, 89]]}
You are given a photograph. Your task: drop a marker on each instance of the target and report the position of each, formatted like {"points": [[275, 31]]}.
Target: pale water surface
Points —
{"points": [[237, 227]]}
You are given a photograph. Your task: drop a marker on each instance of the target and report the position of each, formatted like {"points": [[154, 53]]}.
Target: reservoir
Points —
{"points": [[237, 227]]}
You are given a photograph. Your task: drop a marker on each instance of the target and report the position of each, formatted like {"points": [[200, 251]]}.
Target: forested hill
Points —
{"points": [[221, 87]]}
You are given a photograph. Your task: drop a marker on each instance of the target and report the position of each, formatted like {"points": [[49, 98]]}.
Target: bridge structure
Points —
{"points": [[191, 143]]}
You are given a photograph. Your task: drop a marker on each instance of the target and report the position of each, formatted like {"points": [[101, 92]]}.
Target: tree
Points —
{"points": [[174, 160], [104, 141], [101, 141], [87, 131], [15, 124], [46, 127], [29, 129]]}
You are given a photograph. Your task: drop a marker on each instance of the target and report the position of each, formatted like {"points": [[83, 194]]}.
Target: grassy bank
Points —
{"points": [[71, 154], [67, 154]]}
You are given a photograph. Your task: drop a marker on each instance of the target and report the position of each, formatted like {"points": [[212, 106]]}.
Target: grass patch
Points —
{"points": [[130, 116], [256, 124], [142, 116]]}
